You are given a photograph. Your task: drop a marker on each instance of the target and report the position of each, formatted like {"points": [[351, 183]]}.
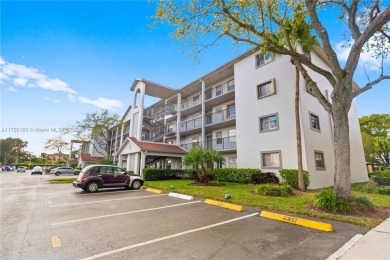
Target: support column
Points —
{"points": [[116, 143], [128, 162], [203, 113], [142, 165], [178, 120], [123, 128]]}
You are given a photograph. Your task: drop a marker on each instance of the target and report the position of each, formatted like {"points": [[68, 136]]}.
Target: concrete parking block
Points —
{"points": [[224, 205]]}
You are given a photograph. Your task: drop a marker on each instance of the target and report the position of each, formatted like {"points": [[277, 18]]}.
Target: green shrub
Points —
{"points": [[234, 175], [382, 180], [264, 177], [370, 187], [272, 189], [381, 173], [362, 203], [326, 200], [290, 177], [151, 174], [385, 190]]}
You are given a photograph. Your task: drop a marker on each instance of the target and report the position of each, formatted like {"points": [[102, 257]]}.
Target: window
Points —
{"points": [[218, 90], [314, 122], [168, 164], [232, 135], [219, 163], [106, 169], [263, 59], [195, 100], [230, 85], [319, 159], [266, 89], [231, 111], [271, 159], [119, 171], [219, 137], [269, 123], [233, 162]]}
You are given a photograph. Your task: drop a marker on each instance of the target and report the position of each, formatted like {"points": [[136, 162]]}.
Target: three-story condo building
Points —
{"points": [[245, 110]]}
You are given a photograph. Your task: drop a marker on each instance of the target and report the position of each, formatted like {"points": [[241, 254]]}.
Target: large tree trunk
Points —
{"points": [[342, 177], [301, 182]]}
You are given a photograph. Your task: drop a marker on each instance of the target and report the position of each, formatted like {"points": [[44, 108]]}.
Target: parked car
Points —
{"points": [[21, 169], [36, 170], [94, 177], [8, 168], [64, 170]]}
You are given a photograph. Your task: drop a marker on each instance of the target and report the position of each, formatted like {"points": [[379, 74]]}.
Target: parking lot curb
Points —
{"points": [[155, 191], [298, 221], [180, 196], [224, 205]]}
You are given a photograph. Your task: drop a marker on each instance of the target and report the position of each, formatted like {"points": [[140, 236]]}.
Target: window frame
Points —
{"points": [[318, 122], [264, 83], [323, 160], [267, 116], [266, 61], [271, 152]]}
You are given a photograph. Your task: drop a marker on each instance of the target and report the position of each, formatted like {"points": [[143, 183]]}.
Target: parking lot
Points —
{"points": [[40, 220]]}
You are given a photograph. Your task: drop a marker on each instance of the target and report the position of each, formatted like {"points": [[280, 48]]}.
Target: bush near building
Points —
{"points": [[264, 177], [275, 190], [234, 175], [151, 174], [290, 177]]}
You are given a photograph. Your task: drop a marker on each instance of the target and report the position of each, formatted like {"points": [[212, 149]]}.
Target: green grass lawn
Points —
{"points": [[62, 180], [243, 194]]}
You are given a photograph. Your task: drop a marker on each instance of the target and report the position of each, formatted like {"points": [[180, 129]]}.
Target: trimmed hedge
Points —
{"points": [[290, 177], [234, 175], [275, 190], [264, 177], [151, 174]]}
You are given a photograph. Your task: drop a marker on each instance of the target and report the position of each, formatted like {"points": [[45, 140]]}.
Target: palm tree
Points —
{"points": [[297, 37], [199, 158]]}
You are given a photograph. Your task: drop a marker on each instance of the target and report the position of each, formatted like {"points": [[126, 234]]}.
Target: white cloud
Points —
{"points": [[53, 100], [71, 97], [103, 103], [12, 89], [30, 77], [366, 58]]}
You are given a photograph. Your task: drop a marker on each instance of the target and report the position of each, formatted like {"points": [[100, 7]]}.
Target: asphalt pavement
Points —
{"points": [[56, 221]]}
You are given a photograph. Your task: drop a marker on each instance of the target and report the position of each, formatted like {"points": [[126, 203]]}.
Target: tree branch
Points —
{"points": [[316, 91], [370, 85], [352, 20], [321, 31], [374, 26]]}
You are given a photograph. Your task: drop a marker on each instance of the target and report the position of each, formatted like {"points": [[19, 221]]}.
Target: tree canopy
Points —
{"points": [[276, 26]]}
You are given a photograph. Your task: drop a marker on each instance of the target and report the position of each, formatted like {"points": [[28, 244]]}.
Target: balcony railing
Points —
{"points": [[190, 145], [159, 112], [192, 124], [158, 132], [221, 116], [220, 90], [221, 144], [190, 103]]}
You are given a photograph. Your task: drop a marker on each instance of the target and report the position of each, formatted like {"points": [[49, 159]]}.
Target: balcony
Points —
{"points": [[221, 116], [159, 132], [220, 90], [190, 125], [157, 113], [222, 144], [192, 102], [189, 145]]}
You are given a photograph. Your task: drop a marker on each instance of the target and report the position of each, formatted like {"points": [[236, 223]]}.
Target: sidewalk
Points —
{"points": [[373, 245]]}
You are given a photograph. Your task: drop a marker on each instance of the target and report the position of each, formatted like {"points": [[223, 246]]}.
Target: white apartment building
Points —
{"points": [[245, 110]]}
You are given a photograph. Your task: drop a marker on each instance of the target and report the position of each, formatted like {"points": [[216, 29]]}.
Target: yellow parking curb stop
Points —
{"points": [[224, 205], [298, 221], [155, 191]]}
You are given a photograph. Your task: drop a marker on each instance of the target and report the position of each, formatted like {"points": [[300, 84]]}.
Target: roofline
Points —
{"points": [[136, 80]]}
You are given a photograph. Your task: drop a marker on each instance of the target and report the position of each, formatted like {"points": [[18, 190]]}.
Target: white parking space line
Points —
{"points": [[98, 201], [167, 237], [96, 193], [123, 213]]}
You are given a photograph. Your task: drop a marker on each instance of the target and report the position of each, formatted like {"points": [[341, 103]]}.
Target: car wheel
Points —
{"points": [[93, 186], [57, 173], [136, 184], [76, 173]]}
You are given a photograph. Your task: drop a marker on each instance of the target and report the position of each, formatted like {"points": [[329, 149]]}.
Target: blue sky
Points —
{"points": [[73, 58]]}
